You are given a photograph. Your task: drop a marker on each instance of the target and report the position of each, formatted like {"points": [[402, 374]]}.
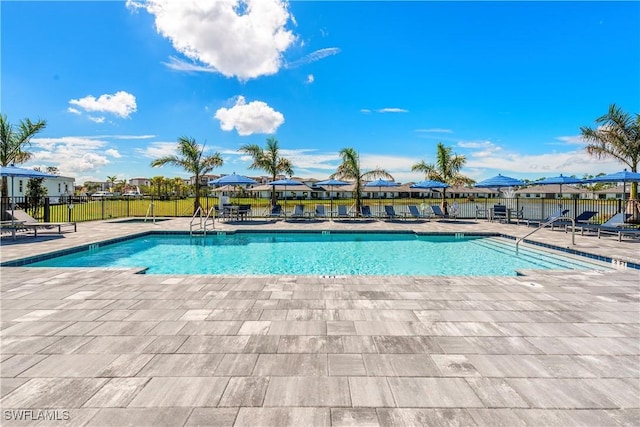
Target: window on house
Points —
{"points": [[20, 186]]}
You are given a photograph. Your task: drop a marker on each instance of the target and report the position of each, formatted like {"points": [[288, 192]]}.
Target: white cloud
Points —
{"points": [[180, 65], [96, 119], [482, 148], [73, 111], [247, 119], [572, 140], [121, 103], [113, 153], [484, 156], [365, 111], [392, 110], [311, 159], [313, 57], [238, 38], [310, 79], [71, 155], [158, 149]]}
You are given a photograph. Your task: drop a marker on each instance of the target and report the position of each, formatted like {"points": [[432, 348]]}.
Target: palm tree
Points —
{"points": [[350, 170], [112, 180], [13, 143], [446, 169], [617, 136], [269, 160], [191, 158]]}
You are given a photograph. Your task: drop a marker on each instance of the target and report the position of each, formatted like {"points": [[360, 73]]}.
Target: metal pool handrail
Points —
{"points": [[201, 222], [153, 213], [551, 221]]}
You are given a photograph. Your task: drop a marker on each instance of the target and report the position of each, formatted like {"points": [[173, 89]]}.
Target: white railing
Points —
{"points": [[200, 223], [551, 221], [150, 210]]}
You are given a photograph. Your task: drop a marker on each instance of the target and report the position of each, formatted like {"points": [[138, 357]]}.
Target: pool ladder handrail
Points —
{"points": [[201, 221], [551, 221], [153, 213]]}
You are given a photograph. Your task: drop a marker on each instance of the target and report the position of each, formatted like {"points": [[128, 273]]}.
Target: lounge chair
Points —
{"points": [[275, 212], [320, 212], [390, 212], [436, 211], [614, 225], [548, 220], [582, 219], [415, 213], [298, 212], [365, 211], [342, 212], [28, 222]]}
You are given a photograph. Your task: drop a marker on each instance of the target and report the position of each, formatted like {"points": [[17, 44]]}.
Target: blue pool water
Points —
{"points": [[319, 254]]}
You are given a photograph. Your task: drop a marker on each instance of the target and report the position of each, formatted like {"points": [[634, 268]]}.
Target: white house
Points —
{"points": [[56, 187]]}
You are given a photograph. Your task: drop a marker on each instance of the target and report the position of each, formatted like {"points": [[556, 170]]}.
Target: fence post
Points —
{"points": [[575, 208], [620, 205], [47, 210], [102, 206]]}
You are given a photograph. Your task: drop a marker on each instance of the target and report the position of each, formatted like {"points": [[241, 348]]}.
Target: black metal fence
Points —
{"points": [[82, 208]]}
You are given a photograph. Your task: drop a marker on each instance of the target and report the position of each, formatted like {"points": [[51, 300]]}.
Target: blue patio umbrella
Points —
{"points": [[560, 180], [381, 183], [332, 183], [429, 184], [623, 176], [498, 182], [232, 179], [13, 171]]}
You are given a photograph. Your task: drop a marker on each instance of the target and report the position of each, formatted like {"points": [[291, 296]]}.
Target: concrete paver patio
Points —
{"points": [[106, 347]]}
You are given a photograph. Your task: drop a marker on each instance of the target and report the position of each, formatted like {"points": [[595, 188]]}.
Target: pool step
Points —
{"points": [[537, 257]]}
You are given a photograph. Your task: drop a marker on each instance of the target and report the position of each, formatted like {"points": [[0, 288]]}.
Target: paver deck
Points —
{"points": [[106, 347]]}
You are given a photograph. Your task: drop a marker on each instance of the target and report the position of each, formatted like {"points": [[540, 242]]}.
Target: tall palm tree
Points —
{"points": [[446, 169], [350, 170], [617, 136], [13, 143], [269, 160], [191, 158]]}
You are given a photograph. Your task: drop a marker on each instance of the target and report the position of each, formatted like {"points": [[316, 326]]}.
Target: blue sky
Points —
{"points": [[507, 84]]}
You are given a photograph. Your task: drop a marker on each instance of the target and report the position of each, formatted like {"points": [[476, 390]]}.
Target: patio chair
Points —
{"points": [[244, 211], [298, 212], [582, 219], [615, 225], [275, 212], [415, 212], [320, 212], [390, 212], [481, 212], [343, 212], [548, 220], [498, 213], [365, 211], [436, 211], [27, 221]]}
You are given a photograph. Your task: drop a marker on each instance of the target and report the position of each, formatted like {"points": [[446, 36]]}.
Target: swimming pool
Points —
{"points": [[325, 253]]}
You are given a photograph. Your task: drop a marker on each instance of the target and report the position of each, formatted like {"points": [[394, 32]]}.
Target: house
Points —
{"points": [[552, 191], [57, 187]]}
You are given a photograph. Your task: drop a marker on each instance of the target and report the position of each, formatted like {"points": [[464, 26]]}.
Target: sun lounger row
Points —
{"points": [[343, 212]]}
